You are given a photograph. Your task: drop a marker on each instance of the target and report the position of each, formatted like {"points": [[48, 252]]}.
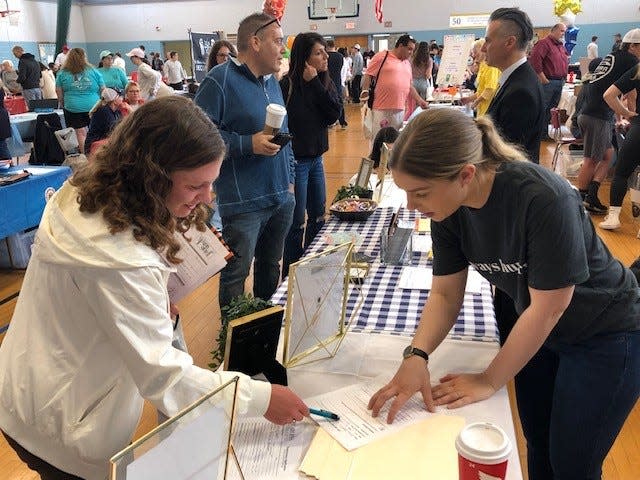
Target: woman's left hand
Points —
{"points": [[309, 72], [458, 390]]}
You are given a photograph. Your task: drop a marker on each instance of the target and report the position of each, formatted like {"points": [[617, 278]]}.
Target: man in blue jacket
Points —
{"points": [[254, 191]]}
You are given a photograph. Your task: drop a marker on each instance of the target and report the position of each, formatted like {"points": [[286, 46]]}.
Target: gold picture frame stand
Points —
{"points": [[317, 304], [385, 153], [195, 443]]}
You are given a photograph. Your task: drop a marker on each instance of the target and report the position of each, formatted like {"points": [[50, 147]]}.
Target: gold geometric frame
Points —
{"points": [[335, 264], [121, 460], [385, 153]]}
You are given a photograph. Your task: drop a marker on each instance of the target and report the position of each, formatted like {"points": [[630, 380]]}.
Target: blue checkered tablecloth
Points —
{"points": [[379, 305]]}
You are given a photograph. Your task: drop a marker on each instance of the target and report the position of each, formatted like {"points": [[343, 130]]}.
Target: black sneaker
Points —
{"points": [[594, 206]]}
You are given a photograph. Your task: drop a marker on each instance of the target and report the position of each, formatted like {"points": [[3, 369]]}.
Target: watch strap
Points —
{"points": [[419, 353]]}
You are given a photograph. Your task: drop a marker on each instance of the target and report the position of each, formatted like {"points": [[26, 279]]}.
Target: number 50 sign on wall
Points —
{"points": [[469, 20]]}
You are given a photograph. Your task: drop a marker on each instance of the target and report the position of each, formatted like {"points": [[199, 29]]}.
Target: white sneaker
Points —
{"points": [[610, 222]]}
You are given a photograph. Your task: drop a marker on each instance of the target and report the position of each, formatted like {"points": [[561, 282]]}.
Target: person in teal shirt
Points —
{"points": [[114, 77], [78, 86]]}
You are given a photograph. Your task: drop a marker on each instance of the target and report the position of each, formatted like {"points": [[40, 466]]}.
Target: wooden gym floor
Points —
{"points": [[201, 314]]}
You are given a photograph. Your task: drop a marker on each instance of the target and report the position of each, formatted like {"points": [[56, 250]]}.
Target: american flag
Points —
{"points": [[378, 8]]}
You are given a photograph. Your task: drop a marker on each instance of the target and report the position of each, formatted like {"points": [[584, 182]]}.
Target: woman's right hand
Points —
{"points": [[309, 72], [285, 406], [412, 376]]}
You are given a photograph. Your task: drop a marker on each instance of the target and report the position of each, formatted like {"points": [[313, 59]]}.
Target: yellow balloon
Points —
{"points": [[290, 40], [560, 6]]}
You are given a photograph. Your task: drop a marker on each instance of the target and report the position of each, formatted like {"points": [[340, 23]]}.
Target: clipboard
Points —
{"points": [[203, 255]]}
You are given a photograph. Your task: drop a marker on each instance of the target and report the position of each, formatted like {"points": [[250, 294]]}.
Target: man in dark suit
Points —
{"points": [[517, 109]]}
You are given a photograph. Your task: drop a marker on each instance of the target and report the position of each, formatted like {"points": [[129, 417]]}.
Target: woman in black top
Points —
{"points": [[629, 151], [575, 347], [312, 105]]}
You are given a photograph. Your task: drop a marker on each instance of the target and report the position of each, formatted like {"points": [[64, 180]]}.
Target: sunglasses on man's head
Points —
{"points": [[275, 20]]}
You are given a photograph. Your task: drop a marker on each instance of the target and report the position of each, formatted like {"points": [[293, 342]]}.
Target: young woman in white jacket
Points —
{"points": [[91, 333]]}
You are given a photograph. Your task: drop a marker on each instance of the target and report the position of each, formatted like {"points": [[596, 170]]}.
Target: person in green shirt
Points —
{"points": [[114, 77]]}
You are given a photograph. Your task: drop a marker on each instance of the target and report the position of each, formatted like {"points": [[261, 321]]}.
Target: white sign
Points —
{"points": [[454, 59], [469, 20]]}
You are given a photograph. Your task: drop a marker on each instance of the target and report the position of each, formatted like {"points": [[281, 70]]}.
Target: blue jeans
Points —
{"points": [[311, 198], [32, 94], [573, 401], [255, 234], [552, 92]]}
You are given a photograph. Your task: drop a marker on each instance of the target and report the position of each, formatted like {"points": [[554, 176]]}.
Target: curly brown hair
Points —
{"points": [[76, 61], [129, 180]]}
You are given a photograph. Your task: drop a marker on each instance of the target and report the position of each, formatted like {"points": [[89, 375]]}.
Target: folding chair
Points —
{"points": [[69, 144], [560, 133]]}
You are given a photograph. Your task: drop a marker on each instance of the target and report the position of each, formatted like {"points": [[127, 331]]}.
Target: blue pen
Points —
{"points": [[324, 413]]}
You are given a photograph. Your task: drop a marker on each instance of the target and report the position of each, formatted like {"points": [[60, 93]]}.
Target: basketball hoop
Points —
{"points": [[331, 14], [12, 15]]}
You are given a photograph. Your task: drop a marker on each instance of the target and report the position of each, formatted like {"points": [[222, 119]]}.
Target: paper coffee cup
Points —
{"points": [[274, 119], [483, 451]]}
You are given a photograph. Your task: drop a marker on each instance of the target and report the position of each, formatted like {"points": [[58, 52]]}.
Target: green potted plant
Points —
{"points": [[348, 191], [240, 306]]}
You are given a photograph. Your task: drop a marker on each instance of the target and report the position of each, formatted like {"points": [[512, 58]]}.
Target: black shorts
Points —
{"points": [[76, 120]]}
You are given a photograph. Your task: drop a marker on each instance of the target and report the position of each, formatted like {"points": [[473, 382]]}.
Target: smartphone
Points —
{"points": [[281, 138]]}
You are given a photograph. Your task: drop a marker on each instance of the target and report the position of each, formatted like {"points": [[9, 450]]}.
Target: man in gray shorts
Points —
{"points": [[596, 120]]}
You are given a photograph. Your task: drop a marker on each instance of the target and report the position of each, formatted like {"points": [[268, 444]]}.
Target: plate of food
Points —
{"points": [[353, 208]]}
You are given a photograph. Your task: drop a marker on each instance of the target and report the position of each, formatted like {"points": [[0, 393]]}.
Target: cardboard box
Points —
{"points": [[15, 250]]}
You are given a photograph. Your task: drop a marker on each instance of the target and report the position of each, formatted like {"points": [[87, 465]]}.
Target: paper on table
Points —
{"points": [[423, 450], [421, 243], [266, 450], [356, 426], [421, 278]]}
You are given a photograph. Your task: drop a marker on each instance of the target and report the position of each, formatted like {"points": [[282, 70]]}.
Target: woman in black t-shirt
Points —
{"points": [[596, 120], [575, 348], [629, 152]]}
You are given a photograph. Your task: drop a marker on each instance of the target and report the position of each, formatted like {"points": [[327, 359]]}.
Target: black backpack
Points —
{"points": [[46, 149]]}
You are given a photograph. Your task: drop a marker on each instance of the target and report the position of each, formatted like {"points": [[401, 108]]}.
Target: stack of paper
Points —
{"points": [[422, 450]]}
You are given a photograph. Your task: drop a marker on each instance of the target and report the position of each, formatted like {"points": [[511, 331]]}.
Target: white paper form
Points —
{"points": [[421, 278], [202, 257], [268, 451], [356, 426]]}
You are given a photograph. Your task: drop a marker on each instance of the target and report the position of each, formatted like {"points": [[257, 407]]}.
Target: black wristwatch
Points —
{"points": [[411, 350]]}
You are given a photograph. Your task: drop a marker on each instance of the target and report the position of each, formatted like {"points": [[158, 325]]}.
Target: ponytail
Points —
{"points": [[438, 143], [494, 149]]}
